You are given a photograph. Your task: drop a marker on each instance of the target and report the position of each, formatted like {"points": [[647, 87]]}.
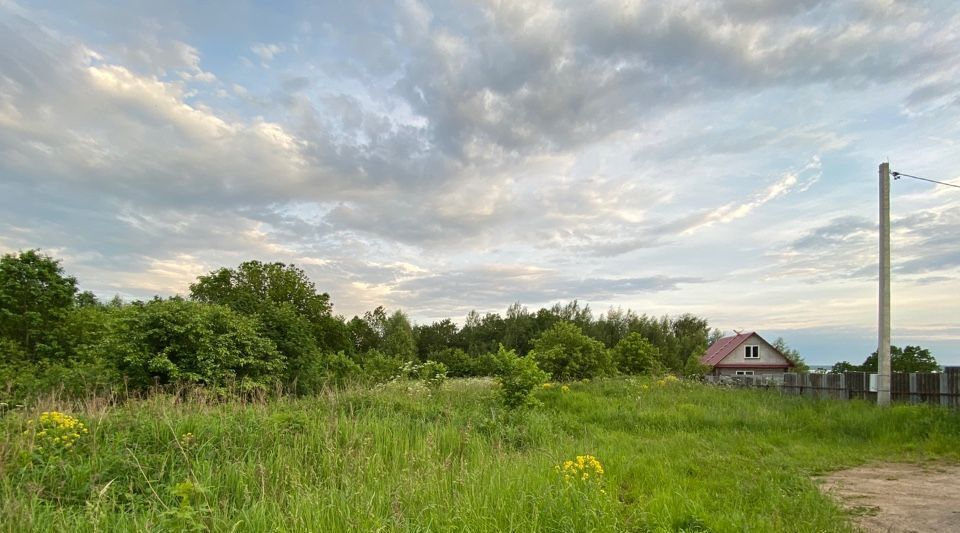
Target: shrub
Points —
{"points": [[694, 369], [634, 354], [338, 369], [458, 363], [519, 376], [175, 341], [325, 370], [567, 354], [432, 373], [379, 367]]}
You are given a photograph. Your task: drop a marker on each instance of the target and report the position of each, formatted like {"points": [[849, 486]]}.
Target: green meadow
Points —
{"points": [[675, 456]]}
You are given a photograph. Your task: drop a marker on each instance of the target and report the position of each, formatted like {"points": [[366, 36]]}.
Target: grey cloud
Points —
{"points": [[296, 84], [837, 233], [493, 287], [924, 247], [548, 76]]}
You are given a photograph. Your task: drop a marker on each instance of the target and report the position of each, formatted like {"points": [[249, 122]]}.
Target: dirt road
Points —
{"points": [[897, 497]]}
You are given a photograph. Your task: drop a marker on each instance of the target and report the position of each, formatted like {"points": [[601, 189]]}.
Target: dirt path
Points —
{"points": [[898, 497]]}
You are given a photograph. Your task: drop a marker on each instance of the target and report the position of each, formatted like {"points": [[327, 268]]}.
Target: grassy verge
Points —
{"points": [[675, 456]]}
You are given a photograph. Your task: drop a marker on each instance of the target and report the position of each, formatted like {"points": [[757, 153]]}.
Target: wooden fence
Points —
{"points": [[936, 388]]}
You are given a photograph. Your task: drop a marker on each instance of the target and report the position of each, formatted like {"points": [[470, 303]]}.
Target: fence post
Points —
{"points": [[944, 390], [950, 386], [914, 396]]}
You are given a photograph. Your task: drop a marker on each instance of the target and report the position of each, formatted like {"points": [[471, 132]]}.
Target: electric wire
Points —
{"points": [[897, 175]]}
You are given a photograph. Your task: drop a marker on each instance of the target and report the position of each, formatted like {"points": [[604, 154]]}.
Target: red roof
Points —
{"points": [[722, 348]]}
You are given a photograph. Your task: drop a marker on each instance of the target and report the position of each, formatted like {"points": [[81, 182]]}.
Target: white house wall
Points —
{"points": [[756, 371], [768, 356]]}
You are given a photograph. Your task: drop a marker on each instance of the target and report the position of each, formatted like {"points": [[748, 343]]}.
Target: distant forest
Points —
{"points": [[265, 326]]}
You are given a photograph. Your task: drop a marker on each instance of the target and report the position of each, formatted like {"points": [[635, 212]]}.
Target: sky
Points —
{"points": [[714, 157]]}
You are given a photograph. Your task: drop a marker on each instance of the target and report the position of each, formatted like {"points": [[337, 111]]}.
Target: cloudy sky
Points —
{"points": [[712, 157]]}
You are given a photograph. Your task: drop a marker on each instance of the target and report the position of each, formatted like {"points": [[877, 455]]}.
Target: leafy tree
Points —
{"points": [[612, 326], [253, 285], [285, 303], [636, 355], [87, 299], [566, 353], [845, 366], [909, 359], [792, 355], [519, 329], [518, 377], [690, 334], [458, 363], [398, 341], [173, 341], [362, 336], [35, 299], [433, 338], [481, 334]]}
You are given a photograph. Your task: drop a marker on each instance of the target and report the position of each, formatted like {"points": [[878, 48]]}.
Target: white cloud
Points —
{"points": [[267, 51]]}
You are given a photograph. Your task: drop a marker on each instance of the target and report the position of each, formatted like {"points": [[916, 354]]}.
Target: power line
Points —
{"points": [[897, 175]]}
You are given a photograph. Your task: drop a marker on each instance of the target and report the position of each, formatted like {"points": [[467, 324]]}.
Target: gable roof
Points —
{"points": [[722, 348]]}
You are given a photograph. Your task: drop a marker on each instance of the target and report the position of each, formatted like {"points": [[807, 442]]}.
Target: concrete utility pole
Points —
{"points": [[883, 345]]}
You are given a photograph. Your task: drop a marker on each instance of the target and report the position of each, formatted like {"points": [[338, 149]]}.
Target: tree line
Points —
{"points": [[263, 325], [907, 360]]}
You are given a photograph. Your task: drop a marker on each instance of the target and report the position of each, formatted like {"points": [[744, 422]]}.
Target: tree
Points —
{"points": [[285, 303], [566, 353], [909, 359], [792, 355], [481, 335], [35, 299], [435, 337], [519, 329], [362, 336], [398, 341], [252, 285], [844, 366], [636, 355]]}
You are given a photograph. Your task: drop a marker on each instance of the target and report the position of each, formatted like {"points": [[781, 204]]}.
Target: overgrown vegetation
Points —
{"points": [[250, 406], [660, 455], [264, 327]]}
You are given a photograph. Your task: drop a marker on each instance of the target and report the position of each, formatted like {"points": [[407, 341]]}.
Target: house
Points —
{"points": [[744, 354]]}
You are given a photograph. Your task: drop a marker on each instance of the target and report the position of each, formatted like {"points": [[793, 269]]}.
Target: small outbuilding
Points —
{"points": [[745, 354]]}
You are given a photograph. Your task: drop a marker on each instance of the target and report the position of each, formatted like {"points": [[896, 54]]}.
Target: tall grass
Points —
{"points": [[401, 457]]}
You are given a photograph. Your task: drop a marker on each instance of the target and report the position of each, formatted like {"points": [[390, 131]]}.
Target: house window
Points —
{"points": [[751, 352], [744, 372]]}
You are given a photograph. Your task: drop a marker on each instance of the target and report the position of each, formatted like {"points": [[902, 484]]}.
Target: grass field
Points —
{"points": [[675, 456]]}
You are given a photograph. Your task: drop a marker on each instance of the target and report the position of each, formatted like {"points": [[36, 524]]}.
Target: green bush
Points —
{"points": [[339, 369], [634, 354], [518, 377], [176, 341], [459, 364], [432, 373], [325, 370], [379, 367], [567, 354]]}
